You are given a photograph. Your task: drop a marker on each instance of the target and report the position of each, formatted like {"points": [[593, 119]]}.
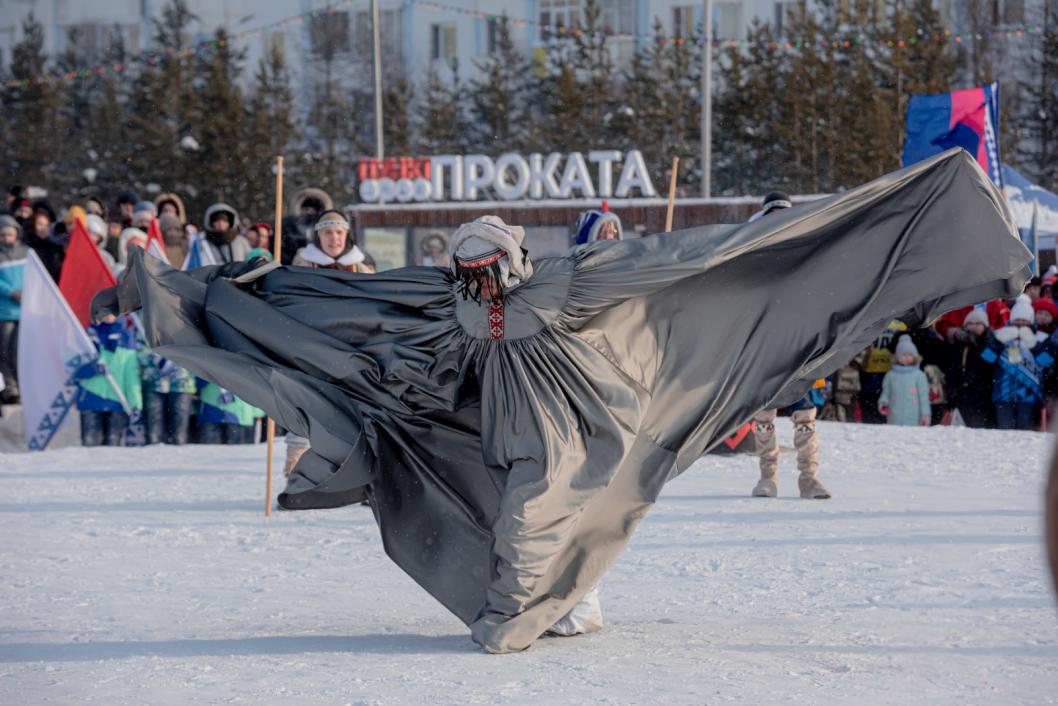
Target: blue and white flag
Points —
{"points": [[198, 255], [51, 346]]}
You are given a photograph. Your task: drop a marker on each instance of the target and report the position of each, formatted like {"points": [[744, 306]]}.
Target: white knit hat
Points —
{"points": [[1022, 309], [976, 316], [905, 346]]}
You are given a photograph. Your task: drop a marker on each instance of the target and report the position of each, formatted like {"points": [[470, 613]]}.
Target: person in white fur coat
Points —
{"points": [[330, 247]]}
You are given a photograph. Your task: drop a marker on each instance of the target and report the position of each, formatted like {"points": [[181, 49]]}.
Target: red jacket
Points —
{"points": [[998, 315]]}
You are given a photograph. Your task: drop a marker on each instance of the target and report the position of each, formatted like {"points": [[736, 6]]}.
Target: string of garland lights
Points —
{"points": [[153, 58]]}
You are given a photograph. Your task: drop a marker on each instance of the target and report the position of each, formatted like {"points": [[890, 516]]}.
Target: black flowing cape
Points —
{"points": [[507, 475]]}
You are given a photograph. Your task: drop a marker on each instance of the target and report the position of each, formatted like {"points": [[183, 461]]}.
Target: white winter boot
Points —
{"points": [[296, 448], [807, 444], [585, 617], [768, 450]]}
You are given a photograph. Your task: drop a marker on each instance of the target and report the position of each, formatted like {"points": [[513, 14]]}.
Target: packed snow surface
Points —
{"points": [[151, 576]]}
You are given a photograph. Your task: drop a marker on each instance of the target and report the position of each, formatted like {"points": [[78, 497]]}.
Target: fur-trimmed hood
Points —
{"points": [[312, 192], [181, 212]]}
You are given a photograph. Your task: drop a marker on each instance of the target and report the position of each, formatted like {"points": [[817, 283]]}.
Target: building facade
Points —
{"points": [[418, 34]]}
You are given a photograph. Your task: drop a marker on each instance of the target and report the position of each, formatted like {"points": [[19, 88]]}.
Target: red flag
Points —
{"points": [[154, 232], [84, 274]]}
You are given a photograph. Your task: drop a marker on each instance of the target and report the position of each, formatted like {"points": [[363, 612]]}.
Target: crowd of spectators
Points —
{"points": [[129, 395], [984, 366]]}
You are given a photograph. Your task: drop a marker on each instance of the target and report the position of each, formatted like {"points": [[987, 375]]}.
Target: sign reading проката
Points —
{"points": [[509, 177]]}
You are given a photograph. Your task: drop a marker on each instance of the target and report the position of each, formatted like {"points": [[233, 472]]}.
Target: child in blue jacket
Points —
{"points": [[905, 388], [110, 387], [1020, 357]]}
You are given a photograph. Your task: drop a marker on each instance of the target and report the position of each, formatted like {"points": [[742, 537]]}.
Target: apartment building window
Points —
{"points": [[442, 42], [492, 35], [554, 14], [389, 33], [1008, 12], [683, 21], [727, 20], [782, 16], [618, 16]]}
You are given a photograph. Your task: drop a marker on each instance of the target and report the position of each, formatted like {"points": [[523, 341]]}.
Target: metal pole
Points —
{"points": [[379, 148], [707, 102]]}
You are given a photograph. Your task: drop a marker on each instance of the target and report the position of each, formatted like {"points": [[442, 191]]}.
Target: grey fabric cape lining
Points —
{"points": [[506, 476]]}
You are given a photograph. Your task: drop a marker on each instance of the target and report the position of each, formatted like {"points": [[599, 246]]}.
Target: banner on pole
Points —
{"points": [[52, 345], [967, 119]]}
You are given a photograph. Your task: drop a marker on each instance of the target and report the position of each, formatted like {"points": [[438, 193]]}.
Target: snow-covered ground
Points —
{"points": [[151, 576]]}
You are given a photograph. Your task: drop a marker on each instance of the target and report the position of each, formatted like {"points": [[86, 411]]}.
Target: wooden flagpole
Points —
{"points": [[277, 251], [672, 194]]}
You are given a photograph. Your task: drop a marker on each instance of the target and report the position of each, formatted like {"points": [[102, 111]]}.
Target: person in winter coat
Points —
{"points": [[93, 206], [905, 389], [110, 388], [1019, 357], [802, 414], [1046, 315], [222, 234], [172, 205], [307, 205], [13, 255], [947, 326], [597, 225], [844, 390], [175, 238], [168, 399], [969, 378], [334, 246], [878, 363], [38, 238], [223, 418], [128, 238], [98, 230], [142, 214], [259, 235], [1033, 288], [126, 203]]}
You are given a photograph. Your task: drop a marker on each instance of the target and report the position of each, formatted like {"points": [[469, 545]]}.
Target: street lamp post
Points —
{"points": [[707, 102], [379, 148]]}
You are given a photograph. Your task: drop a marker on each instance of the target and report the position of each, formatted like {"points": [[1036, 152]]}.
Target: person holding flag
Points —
{"points": [[109, 386], [52, 347], [12, 264]]}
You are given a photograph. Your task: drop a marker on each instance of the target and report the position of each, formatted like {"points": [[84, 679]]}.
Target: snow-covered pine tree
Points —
{"points": [[442, 117], [269, 130], [1039, 119], [748, 107], [576, 89], [398, 96], [636, 121], [32, 114], [920, 66], [866, 111], [105, 140], [332, 125], [221, 158], [500, 97], [162, 107]]}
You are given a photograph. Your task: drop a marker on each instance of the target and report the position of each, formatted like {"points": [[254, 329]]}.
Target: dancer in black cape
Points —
{"points": [[513, 421]]}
